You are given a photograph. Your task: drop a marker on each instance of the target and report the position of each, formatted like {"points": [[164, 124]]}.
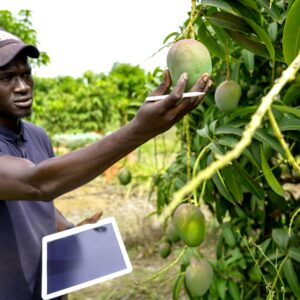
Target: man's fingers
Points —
{"points": [[164, 86], [176, 94]]}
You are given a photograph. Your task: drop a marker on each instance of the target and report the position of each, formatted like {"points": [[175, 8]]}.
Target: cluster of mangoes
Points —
{"points": [[188, 225], [192, 57]]}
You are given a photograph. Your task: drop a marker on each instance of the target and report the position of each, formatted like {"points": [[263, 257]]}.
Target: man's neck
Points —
{"points": [[12, 123]]}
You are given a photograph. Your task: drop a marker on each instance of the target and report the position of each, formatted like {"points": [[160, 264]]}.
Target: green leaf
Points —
{"points": [[250, 3], [232, 183], [271, 10], [281, 238], [248, 182], [264, 137], [178, 285], [229, 21], [288, 109], [271, 179], [210, 42], [292, 94], [264, 37], [272, 30], [249, 43], [291, 33], [234, 290], [248, 58], [221, 288], [218, 4], [294, 253], [291, 277], [287, 124]]}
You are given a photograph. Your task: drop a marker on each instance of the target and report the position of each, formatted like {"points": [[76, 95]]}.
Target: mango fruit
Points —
{"points": [[199, 277], [190, 224], [164, 249], [227, 95], [171, 233], [190, 56], [124, 176]]}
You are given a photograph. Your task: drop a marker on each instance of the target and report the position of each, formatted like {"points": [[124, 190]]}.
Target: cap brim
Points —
{"points": [[10, 51]]}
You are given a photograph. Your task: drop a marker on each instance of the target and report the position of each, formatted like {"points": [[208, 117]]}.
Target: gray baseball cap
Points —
{"points": [[11, 45]]}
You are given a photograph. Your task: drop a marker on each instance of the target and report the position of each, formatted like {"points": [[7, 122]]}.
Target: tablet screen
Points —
{"points": [[85, 256]]}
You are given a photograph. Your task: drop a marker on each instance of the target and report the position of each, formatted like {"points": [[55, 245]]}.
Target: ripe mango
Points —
{"points": [[190, 56], [198, 277], [227, 95], [190, 224]]}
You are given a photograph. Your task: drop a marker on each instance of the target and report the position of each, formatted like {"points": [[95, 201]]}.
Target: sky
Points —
{"points": [[93, 34]]}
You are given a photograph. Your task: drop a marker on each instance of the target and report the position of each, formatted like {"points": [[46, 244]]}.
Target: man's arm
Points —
{"points": [[21, 179]]}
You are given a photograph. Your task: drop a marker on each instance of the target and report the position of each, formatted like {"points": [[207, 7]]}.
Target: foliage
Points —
{"points": [[21, 26], [93, 102], [253, 42]]}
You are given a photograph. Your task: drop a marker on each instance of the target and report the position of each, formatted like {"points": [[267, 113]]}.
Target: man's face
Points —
{"points": [[16, 89]]}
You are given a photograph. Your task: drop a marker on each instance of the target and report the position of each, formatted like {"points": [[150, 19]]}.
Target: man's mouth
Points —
{"points": [[24, 102]]}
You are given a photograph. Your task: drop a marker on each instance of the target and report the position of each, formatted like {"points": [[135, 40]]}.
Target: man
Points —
{"points": [[31, 177]]}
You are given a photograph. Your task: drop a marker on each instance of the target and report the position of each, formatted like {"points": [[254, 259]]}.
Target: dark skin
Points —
{"points": [[22, 179]]}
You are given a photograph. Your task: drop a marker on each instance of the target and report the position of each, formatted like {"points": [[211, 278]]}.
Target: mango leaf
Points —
{"points": [[294, 253], [234, 290], [221, 34], [291, 277], [264, 37], [291, 33], [271, 179], [264, 137], [248, 58], [249, 43], [281, 237], [229, 21], [292, 94], [288, 109], [178, 285], [272, 31], [248, 182], [220, 184], [210, 42], [222, 5], [232, 183], [287, 124], [271, 10], [250, 3]]}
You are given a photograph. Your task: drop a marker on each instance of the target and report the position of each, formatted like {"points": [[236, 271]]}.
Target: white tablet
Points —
{"points": [[82, 256]]}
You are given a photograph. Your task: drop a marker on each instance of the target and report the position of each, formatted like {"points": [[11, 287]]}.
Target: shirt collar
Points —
{"points": [[10, 135]]}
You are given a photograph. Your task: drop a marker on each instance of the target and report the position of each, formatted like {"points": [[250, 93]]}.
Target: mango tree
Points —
{"points": [[241, 152]]}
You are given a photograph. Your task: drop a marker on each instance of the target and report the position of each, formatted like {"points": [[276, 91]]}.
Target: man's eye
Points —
{"points": [[6, 78]]}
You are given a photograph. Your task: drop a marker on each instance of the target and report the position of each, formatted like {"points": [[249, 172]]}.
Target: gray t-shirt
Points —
{"points": [[23, 223]]}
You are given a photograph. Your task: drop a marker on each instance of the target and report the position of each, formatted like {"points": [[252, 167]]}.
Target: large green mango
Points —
{"points": [[199, 277], [190, 56], [190, 224]]}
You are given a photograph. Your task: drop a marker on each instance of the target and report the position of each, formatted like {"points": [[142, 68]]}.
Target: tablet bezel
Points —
{"points": [[74, 231]]}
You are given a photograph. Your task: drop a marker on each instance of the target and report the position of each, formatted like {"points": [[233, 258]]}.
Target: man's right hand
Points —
{"points": [[154, 118]]}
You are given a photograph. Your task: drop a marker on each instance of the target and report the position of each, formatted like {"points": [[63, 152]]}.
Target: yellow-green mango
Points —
{"points": [[190, 224], [227, 95], [199, 277], [190, 56]]}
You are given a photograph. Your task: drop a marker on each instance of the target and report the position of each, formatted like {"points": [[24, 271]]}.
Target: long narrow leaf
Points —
{"points": [[271, 179], [291, 33]]}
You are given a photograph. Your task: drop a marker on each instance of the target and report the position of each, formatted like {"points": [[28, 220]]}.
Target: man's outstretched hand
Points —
{"points": [[154, 118]]}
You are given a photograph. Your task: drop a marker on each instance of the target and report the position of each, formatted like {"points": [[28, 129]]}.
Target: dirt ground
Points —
{"points": [[130, 206]]}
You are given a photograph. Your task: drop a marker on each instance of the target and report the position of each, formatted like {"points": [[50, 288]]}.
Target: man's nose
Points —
{"points": [[21, 85]]}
